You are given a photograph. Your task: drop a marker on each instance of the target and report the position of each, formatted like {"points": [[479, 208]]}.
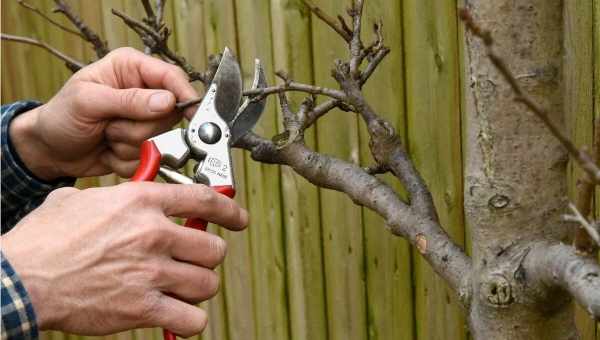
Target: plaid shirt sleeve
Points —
{"points": [[18, 317], [21, 190], [21, 193]]}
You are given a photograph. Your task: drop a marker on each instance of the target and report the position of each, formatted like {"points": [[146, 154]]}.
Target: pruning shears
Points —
{"points": [[218, 123]]}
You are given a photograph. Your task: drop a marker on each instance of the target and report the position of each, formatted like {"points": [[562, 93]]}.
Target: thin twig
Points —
{"points": [[188, 103], [89, 35], [71, 63], [583, 222], [157, 42], [582, 157], [375, 61], [49, 19], [297, 87], [328, 20], [160, 12], [151, 18]]}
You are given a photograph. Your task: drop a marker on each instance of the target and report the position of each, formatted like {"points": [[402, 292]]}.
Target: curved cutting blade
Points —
{"points": [[228, 79], [250, 111]]}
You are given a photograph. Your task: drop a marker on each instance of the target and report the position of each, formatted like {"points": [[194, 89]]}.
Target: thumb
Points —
{"points": [[103, 102]]}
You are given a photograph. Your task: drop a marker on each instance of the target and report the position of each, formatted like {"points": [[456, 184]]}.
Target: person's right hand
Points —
{"points": [[104, 260]]}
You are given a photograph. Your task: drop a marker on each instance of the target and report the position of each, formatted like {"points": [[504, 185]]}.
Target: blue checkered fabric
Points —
{"points": [[21, 193], [18, 318]]}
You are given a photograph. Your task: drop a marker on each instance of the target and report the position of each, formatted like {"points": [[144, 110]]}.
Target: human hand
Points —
{"points": [[104, 260], [95, 124]]}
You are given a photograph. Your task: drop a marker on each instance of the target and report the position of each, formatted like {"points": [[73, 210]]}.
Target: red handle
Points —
{"points": [[149, 162]]}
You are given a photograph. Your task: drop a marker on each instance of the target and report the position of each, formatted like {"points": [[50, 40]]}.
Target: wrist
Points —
{"points": [[34, 282], [30, 147]]}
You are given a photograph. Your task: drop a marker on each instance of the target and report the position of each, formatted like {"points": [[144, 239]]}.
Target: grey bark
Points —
{"points": [[515, 186]]}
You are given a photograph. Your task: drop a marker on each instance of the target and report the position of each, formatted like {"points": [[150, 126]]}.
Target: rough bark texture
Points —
{"points": [[515, 187]]}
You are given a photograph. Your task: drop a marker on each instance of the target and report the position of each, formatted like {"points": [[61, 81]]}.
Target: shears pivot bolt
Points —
{"points": [[209, 133]]}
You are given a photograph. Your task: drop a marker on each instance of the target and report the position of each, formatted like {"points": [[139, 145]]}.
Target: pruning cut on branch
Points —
{"points": [[541, 267]]}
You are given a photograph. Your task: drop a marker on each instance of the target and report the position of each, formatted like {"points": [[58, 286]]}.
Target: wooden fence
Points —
{"points": [[313, 265]]}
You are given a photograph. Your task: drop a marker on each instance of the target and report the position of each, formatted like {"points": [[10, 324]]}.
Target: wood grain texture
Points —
{"points": [[341, 220], [292, 52], [263, 183], [578, 78], [596, 61], [432, 69]]}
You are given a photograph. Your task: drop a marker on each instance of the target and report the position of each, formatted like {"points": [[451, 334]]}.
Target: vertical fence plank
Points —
{"points": [[341, 220], [578, 104], [596, 59], [263, 183], [433, 95], [292, 52], [388, 258]]}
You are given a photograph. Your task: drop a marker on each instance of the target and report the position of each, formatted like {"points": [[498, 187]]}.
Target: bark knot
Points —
{"points": [[497, 290]]}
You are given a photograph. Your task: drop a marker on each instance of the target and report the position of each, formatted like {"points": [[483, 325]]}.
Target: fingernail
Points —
{"points": [[160, 102]]}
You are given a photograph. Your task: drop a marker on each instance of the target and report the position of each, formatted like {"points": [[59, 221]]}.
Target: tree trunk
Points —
{"points": [[515, 171]]}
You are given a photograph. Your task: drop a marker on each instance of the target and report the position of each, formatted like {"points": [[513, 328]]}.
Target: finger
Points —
{"points": [[123, 168], [197, 247], [125, 152], [179, 317], [191, 201], [188, 282], [135, 67], [135, 132], [103, 102]]}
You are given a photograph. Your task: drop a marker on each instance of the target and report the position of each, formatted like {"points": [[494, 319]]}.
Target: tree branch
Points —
{"points": [[560, 266], [583, 158], [157, 42], [366, 190], [586, 226], [328, 20], [50, 20], [71, 63], [260, 93], [88, 34]]}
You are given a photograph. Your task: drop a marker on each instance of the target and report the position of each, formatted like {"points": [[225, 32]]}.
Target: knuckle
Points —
{"points": [[153, 238], [150, 308], [135, 194], [204, 195], [122, 51], [154, 274], [75, 90], [61, 193], [128, 98]]}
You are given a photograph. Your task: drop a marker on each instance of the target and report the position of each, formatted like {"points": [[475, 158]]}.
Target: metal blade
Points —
{"points": [[250, 111], [228, 79]]}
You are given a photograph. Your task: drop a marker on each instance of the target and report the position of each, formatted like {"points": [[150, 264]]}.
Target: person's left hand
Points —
{"points": [[95, 124]]}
